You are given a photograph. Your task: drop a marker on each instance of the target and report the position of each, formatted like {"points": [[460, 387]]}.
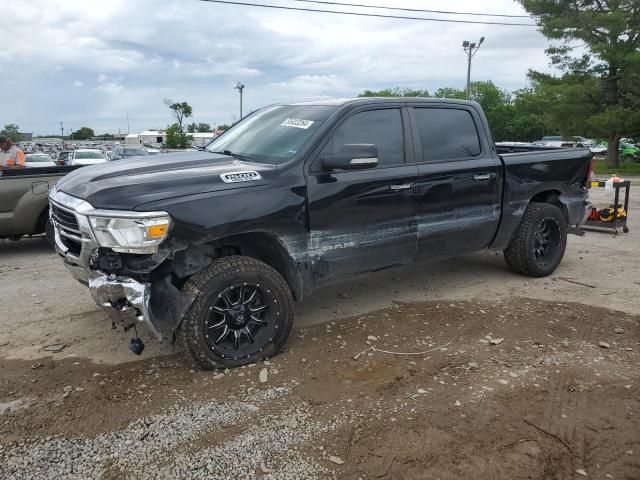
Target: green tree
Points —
{"points": [[83, 133], [496, 104], [12, 131], [223, 127], [448, 92], [203, 127], [181, 110], [395, 92], [598, 90], [176, 138], [192, 127]]}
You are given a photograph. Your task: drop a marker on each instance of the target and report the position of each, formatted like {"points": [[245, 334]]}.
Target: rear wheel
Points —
{"points": [[540, 241], [242, 313]]}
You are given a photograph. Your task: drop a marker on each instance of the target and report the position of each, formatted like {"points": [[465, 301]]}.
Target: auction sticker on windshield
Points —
{"points": [[297, 123]]}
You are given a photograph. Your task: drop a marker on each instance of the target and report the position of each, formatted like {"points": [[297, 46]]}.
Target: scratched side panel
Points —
{"points": [[456, 213], [359, 223]]}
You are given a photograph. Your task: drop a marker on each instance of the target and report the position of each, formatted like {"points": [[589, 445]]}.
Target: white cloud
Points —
{"points": [[139, 51], [110, 85], [78, 83]]}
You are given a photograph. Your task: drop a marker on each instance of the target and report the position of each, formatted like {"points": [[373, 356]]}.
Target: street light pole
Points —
{"points": [[240, 87], [470, 48]]}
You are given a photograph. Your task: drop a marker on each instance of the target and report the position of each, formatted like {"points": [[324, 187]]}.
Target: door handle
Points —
{"points": [[484, 176], [396, 188]]}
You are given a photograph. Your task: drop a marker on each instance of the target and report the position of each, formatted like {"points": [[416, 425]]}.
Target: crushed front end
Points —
{"points": [[118, 255]]}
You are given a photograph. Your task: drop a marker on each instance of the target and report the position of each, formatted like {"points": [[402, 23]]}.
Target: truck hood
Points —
{"points": [[128, 183]]}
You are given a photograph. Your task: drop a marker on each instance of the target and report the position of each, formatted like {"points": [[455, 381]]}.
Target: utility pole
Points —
{"points": [[240, 87], [470, 48], [128, 124], [62, 134]]}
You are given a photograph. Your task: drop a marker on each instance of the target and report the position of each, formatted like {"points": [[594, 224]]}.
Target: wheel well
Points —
{"points": [[552, 197], [41, 222], [266, 248]]}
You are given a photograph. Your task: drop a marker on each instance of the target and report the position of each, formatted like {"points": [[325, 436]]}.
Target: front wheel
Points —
{"points": [[242, 313], [540, 241]]}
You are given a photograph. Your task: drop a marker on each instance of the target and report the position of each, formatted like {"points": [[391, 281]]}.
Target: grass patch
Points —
{"points": [[625, 168]]}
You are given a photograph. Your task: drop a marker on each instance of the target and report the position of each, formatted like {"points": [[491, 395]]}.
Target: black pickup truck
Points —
{"points": [[212, 248]]}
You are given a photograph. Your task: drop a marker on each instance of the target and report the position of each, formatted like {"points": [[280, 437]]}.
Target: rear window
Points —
{"points": [[133, 152], [37, 158], [88, 155], [447, 134]]}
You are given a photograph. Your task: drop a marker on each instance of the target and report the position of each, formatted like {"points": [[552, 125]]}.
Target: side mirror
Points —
{"points": [[354, 156]]}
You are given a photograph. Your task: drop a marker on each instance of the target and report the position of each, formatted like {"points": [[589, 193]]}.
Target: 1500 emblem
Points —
{"points": [[235, 177]]}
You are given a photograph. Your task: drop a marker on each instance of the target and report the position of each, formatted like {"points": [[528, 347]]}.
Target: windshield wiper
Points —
{"points": [[239, 156]]}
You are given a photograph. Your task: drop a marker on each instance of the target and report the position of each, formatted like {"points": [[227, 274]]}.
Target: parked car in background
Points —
{"points": [[119, 152], [38, 160], [86, 157], [63, 156], [627, 150]]}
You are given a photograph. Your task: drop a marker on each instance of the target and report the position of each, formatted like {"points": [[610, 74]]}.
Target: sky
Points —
{"points": [[92, 63]]}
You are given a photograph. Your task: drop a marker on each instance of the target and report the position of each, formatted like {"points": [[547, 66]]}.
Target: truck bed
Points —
{"points": [[24, 198], [551, 174]]}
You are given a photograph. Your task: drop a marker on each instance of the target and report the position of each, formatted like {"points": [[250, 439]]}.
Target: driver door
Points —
{"points": [[363, 220]]}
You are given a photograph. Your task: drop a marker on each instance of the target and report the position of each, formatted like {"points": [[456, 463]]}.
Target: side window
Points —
{"points": [[383, 128], [447, 134]]}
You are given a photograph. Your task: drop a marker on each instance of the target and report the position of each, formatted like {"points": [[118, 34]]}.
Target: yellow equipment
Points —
{"points": [[607, 214]]}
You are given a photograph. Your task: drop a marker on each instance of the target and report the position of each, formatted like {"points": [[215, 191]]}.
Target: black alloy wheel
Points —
{"points": [[242, 313], [546, 241], [241, 319], [539, 243]]}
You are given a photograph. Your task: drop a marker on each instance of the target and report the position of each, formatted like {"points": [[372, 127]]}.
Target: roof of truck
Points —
{"points": [[343, 101]]}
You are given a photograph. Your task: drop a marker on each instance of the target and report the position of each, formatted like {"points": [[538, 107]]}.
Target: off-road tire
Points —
{"points": [[207, 285], [520, 254]]}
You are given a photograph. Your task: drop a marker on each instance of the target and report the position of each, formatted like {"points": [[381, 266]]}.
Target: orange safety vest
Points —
{"points": [[16, 159]]}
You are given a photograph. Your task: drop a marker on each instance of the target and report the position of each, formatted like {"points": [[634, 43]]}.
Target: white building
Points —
{"points": [[154, 138], [200, 139]]}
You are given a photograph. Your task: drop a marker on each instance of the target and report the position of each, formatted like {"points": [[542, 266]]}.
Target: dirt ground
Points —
{"points": [[510, 378]]}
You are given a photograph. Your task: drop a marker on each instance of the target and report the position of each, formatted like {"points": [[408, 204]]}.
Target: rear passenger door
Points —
{"points": [[458, 191], [363, 220]]}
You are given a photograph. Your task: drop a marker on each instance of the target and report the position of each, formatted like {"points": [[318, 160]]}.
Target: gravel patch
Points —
{"points": [[151, 447]]}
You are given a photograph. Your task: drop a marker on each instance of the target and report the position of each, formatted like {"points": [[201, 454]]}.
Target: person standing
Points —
{"points": [[10, 155]]}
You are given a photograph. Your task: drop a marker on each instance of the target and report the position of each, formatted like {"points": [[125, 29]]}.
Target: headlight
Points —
{"points": [[130, 235]]}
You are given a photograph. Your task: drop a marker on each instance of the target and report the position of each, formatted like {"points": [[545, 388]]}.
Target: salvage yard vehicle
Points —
{"points": [[212, 248], [38, 160], [24, 203], [86, 156]]}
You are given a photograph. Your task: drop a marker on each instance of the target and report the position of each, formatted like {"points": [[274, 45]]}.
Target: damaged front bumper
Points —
{"points": [[126, 301], [157, 305]]}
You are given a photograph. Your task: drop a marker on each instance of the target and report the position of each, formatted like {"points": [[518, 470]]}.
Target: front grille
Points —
{"points": [[68, 228], [65, 218]]}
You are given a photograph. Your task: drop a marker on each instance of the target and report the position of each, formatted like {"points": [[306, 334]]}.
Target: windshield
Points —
{"points": [[273, 134], [88, 155], [37, 158], [134, 152]]}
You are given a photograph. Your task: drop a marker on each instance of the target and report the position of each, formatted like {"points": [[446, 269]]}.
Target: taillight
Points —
{"points": [[592, 166]]}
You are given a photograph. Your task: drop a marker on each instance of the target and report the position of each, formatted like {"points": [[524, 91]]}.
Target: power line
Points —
{"points": [[403, 9], [375, 15]]}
